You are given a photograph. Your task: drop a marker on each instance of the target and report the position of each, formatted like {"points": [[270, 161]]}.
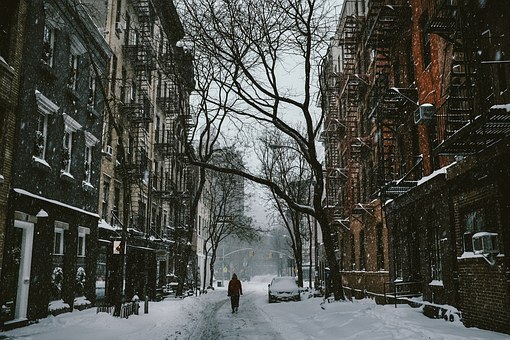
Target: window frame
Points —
{"points": [[74, 62], [92, 95], [90, 142], [81, 245], [71, 126], [58, 231], [49, 39], [45, 108]]}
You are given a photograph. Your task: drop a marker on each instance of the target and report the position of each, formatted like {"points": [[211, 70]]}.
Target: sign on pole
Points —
{"points": [[117, 247]]}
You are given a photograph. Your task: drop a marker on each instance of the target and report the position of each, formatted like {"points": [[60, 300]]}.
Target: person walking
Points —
{"points": [[235, 289]]}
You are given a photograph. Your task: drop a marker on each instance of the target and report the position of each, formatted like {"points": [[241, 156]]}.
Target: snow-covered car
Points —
{"points": [[283, 289]]}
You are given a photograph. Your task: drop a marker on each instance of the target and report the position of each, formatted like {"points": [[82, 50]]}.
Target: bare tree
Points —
{"points": [[283, 163], [267, 54]]}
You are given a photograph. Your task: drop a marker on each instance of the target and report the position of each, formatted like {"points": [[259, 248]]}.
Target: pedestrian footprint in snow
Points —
{"points": [[235, 289]]}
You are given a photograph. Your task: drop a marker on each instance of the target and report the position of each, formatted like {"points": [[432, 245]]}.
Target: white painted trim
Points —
{"points": [[45, 105]]}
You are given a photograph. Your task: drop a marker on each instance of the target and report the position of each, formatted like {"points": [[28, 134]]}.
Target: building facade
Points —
{"points": [[11, 43], [51, 224], [145, 178], [416, 134], [96, 208]]}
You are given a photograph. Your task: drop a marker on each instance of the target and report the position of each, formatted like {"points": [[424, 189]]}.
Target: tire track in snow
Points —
{"points": [[218, 322], [207, 326]]}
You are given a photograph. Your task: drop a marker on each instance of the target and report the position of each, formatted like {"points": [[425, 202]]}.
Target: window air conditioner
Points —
{"points": [[119, 27], [424, 114], [485, 243], [108, 150]]}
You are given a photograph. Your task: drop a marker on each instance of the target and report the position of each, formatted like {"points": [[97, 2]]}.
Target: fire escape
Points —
{"points": [[470, 118], [137, 108], [350, 96], [388, 105], [173, 180], [333, 132]]}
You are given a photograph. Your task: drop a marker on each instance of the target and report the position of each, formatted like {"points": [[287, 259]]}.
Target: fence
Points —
{"points": [[126, 309], [396, 290]]}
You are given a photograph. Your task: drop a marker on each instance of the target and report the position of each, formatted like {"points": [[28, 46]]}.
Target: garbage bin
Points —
{"points": [[219, 284]]}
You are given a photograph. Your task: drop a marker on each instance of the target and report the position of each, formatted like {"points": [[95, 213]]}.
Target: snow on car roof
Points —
{"points": [[284, 283]]}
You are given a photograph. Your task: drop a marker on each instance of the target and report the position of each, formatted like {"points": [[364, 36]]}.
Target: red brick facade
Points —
{"points": [[429, 146]]}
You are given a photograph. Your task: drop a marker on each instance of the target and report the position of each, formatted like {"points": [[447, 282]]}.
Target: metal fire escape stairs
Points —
{"points": [[468, 126], [387, 106], [350, 30]]}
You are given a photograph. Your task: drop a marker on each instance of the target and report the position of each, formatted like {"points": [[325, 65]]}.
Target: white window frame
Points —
{"points": [[71, 126], [45, 107], [81, 249], [42, 132], [60, 251], [90, 142], [92, 88], [49, 38], [60, 228], [73, 65], [77, 50], [67, 142]]}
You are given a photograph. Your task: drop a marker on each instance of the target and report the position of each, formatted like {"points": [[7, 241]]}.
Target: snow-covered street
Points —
{"points": [[209, 317]]}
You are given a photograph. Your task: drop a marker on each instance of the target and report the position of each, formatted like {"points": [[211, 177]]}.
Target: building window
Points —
{"points": [[6, 24], [71, 126], [88, 162], [41, 135], [82, 240], [73, 71], [380, 246], [116, 200], [90, 141], [362, 259], [106, 195], [425, 41], [435, 256], [92, 88], [45, 107], [67, 148], [113, 82], [48, 45], [58, 241], [476, 220], [123, 85]]}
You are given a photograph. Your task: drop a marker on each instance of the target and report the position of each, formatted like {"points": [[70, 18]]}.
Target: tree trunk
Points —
{"points": [[205, 268], [185, 254], [336, 276], [211, 272], [329, 242], [299, 261]]}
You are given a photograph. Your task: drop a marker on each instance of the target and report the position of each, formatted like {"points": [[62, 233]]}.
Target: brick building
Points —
{"points": [[145, 178], [427, 157], [51, 224], [11, 40]]}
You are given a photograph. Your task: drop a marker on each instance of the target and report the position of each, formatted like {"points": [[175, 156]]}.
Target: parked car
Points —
{"points": [[283, 289]]}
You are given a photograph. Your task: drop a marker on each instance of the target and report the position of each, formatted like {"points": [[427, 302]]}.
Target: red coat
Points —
{"points": [[234, 287]]}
